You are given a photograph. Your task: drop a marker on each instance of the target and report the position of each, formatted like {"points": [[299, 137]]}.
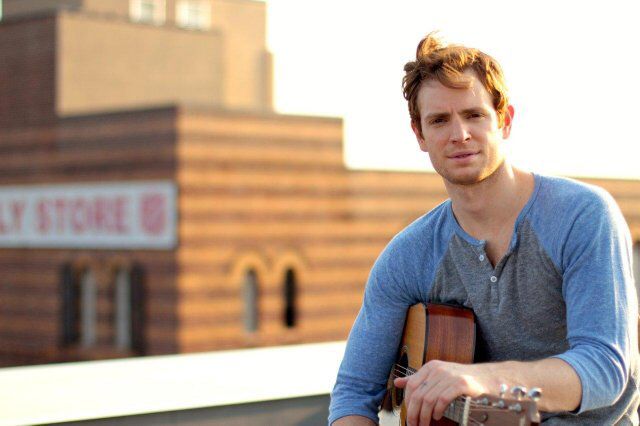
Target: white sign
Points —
{"points": [[111, 215]]}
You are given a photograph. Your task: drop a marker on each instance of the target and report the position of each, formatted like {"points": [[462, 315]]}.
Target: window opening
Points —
{"points": [[290, 311], [194, 14], [251, 300], [70, 306], [138, 299], [148, 11], [123, 309], [88, 308]]}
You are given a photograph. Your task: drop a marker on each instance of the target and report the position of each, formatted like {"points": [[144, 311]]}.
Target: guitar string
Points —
{"points": [[458, 400], [406, 373], [400, 366]]}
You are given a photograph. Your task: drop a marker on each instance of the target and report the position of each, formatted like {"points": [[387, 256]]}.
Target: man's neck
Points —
{"points": [[485, 208]]}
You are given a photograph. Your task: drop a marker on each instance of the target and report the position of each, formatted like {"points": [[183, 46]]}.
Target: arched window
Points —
{"points": [[250, 300], [122, 311], [88, 308], [290, 288]]}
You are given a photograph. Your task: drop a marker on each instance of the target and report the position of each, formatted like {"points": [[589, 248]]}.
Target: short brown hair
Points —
{"points": [[447, 64]]}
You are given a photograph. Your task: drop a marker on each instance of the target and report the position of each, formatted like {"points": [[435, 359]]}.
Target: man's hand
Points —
{"points": [[429, 391]]}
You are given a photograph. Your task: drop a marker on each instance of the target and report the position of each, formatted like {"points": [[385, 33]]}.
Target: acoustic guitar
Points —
{"points": [[445, 332]]}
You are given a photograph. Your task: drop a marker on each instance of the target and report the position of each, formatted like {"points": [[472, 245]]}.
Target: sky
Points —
{"points": [[572, 68]]}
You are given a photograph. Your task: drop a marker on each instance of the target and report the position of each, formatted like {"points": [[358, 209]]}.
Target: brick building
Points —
{"points": [[151, 200]]}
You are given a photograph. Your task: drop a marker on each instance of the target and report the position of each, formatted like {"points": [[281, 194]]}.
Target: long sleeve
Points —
{"points": [[601, 301], [372, 343]]}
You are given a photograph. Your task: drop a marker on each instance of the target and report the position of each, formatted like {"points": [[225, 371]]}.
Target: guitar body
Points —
{"points": [[434, 331], [448, 333]]}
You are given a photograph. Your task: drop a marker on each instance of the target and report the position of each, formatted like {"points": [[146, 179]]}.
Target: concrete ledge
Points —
{"points": [[128, 387]]}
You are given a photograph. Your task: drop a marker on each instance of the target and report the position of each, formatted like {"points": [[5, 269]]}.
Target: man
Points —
{"points": [[545, 264]]}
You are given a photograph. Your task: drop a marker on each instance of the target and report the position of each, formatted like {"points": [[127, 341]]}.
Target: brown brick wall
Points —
{"points": [[27, 72], [131, 146], [271, 192], [21, 8], [118, 8], [239, 211], [247, 64], [103, 61], [258, 191], [107, 64]]}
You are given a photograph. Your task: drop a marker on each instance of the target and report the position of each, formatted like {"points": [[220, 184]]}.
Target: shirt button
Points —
{"points": [[481, 258], [493, 279]]}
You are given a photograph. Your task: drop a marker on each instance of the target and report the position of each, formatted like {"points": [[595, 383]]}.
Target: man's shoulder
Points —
{"points": [[566, 187], [436, 221], [563, 194], [566, 207], [416, 250], [427, 235]]}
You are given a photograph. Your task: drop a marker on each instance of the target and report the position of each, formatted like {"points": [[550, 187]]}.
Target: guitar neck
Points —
{"points": [[458, 411]]}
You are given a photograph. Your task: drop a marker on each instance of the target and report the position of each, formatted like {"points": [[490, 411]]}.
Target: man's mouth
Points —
{"points": [[462, 155]]}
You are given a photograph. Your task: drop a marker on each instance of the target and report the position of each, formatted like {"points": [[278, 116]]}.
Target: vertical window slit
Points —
{"points": [[290, 288], [251, 300], [70, 305], [122, 309], [88, 308]]}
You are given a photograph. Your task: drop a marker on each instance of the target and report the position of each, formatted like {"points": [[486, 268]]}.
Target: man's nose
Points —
{"points": [[459, 130]]}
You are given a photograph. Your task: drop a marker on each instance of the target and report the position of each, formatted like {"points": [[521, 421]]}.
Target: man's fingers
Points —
{"points": [[417, 408], [400, 382], [441, 404], [426, 412], [429, 392], [444, 395]]}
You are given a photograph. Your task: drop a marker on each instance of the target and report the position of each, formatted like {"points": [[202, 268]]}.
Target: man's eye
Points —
{"points": [[475, 115], [437, 121]]}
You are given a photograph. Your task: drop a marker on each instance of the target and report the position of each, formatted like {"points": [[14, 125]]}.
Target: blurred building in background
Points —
{"points": [[151, 200]]}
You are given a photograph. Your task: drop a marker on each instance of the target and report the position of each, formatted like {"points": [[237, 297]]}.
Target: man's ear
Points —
{"points": [[508, 120], [418, 133]]}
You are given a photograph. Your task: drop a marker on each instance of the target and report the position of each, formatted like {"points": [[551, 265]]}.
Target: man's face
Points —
{"points": [[460, 131]]}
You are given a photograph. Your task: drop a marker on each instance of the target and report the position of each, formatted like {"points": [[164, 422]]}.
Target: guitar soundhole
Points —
{"points": [[401, 368]]}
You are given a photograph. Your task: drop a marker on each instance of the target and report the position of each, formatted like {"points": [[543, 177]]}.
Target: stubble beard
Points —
{"points": [[472, 178]]}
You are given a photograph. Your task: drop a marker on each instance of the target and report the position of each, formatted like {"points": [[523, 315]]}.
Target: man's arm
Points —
{"points": [[373, 341], [438, 383]]}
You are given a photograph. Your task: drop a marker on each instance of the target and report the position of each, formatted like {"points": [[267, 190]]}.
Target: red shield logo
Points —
{"points": [[153, 213]]}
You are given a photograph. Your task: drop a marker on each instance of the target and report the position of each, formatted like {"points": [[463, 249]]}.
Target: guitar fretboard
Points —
{"points": [[458, 411]]}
